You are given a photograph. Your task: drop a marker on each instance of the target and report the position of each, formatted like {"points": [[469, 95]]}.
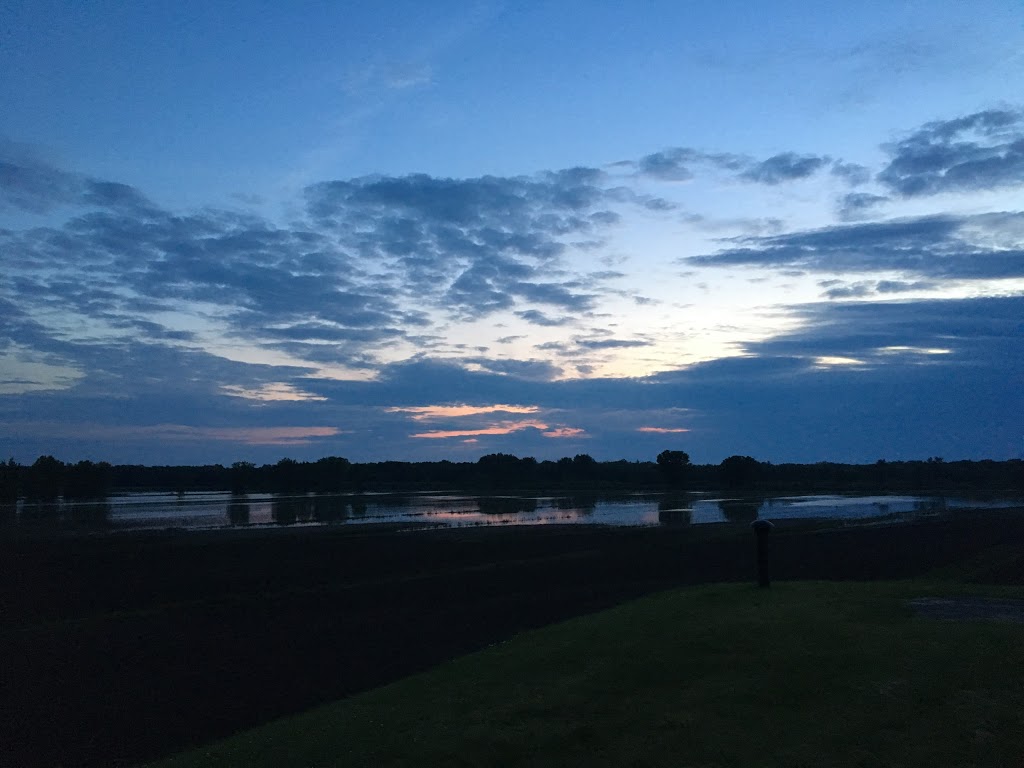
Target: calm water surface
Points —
{"points": [[192, 511]]}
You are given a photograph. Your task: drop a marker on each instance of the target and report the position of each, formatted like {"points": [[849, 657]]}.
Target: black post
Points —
{"points": [[761, 530]]}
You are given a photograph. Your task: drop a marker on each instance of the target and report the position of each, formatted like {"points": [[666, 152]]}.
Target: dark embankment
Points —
{"points": [[117, 649]]}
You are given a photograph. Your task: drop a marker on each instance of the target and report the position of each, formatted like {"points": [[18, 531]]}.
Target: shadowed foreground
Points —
{"points": [[125, 648], [812, 673]]}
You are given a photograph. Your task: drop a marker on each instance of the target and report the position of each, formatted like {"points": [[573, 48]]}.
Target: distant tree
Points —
{"points": [[673, 466], [287, 475], [86, 480], [243, 475], [499, 469], [739, 471], [44, 480], [584, 468], [332, 473], [10, 481]]}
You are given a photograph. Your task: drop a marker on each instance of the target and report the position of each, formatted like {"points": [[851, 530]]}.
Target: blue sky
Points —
{"points": [[434, 231]]}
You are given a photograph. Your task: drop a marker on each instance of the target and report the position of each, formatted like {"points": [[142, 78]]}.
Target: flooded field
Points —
{"points": [[194, 511]]}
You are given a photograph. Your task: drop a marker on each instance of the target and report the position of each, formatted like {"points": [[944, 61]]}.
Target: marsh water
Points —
{"points": [[194, 511]]}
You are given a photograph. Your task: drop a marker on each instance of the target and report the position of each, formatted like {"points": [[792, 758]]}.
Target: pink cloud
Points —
{"points": [[426, 412], [501, 428]]}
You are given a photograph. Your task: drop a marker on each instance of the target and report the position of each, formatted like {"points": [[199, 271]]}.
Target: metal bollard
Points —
{"points": [[761, 530]]}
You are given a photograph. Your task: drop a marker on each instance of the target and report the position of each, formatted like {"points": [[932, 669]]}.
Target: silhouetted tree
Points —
{"points": [[332, 473], [44, 480], [673, 466], [500, 469], [10, 481], [86, 480], [739, 471], [287, 475], [243, 476]]}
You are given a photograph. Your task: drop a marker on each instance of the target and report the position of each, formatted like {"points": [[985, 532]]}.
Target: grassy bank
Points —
{"points": [[804, 674]]}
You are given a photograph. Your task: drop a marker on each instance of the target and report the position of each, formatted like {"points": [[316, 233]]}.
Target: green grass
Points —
{"points": [[804, 674]]}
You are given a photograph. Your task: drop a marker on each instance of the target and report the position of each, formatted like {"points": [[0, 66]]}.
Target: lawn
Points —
{"points": [[803, 674]]}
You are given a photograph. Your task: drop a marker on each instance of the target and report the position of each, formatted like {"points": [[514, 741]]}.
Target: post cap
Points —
{"points": [[760, 526]]}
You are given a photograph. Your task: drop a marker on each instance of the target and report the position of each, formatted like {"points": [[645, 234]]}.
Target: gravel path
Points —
{"points": [[969, 609]]}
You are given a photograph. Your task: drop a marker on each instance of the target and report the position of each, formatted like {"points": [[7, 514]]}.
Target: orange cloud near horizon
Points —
{"points": [[426, 412], [502, 428]]}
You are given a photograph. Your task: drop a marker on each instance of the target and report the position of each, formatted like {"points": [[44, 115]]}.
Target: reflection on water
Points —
{"points": [[740, 510], [330, 508], [675, 509], [585, 503], [238, 509], [285, 510], [505, 505], [93, 514], [217, 510]]}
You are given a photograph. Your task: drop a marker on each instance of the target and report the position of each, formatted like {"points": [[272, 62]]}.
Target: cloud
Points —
{"points": [[177, 433], [534, 370], [669, 164], [980, 246], [974, 332], [859, 205], [377, 258], [28, 183], [610, 343], [536, 317], [428, 412], [853, 174], [935, 378], [387, 75], [501, 428], [677, 163], [472, 246], [977, 152], [564, 433], [787, 166], [270, 392], [837, 289]]}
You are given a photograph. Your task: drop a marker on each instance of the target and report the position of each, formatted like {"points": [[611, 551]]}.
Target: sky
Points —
{"points": [[423, 231]]}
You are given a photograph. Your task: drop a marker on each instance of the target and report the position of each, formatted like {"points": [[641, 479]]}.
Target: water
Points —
{"points": [[196, 511]]}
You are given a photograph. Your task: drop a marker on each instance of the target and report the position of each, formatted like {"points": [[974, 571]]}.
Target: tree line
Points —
{"points": [[49, 478]]}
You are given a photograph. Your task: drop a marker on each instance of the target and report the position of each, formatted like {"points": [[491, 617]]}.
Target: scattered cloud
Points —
{"points": [[979, 246], [787, 166], [611, 343], [678, 163], [859, 205], [853, 174], [270, 393], [976, 152], [28, 183]]}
